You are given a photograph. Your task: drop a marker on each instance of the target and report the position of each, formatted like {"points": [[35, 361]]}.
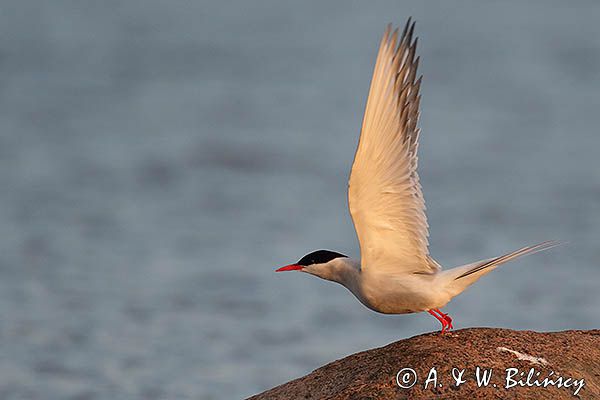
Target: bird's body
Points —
{"points": [[396, 274], [390, 292]]}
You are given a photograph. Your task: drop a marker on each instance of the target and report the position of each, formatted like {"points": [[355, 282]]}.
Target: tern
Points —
{"points": [[395, 273]]}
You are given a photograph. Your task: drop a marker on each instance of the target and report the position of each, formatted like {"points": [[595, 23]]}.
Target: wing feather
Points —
{"points": [[385, 197]]}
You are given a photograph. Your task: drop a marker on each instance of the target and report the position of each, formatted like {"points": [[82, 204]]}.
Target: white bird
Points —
{"points": [[395, 274]]}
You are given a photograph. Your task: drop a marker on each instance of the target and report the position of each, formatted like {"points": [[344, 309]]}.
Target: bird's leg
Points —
{"points": [[439, 318], [446, 318]]}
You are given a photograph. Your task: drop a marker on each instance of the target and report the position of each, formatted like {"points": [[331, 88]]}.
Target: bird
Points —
{"points": [[395, 273]]}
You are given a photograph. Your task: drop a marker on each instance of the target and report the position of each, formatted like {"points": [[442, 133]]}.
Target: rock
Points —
{"points": [[570, 360]]}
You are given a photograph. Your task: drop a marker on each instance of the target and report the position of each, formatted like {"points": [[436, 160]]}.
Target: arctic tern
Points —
{"points": [[395, 273]]}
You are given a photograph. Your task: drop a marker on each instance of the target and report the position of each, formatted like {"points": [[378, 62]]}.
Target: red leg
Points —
{"points": [[439, 318], [446, 318]]}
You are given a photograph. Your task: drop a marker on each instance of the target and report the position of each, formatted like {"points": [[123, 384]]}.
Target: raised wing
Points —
{"points": [[384, 194]]}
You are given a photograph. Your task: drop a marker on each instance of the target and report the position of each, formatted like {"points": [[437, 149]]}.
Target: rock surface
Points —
{"points": [[373, 374]]}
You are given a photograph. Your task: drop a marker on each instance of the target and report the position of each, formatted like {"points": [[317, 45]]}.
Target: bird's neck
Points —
{"points": [[345, 271]]}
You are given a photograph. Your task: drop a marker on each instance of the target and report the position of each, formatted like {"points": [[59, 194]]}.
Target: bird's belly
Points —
{"points": [[394, 304], [409, 294]]}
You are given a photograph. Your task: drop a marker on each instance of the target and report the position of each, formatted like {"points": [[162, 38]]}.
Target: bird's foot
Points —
{"points": [[444, 319], [448, 319]]}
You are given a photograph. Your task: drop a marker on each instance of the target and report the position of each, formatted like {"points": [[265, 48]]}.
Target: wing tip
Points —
{"points": [[407, 32]]}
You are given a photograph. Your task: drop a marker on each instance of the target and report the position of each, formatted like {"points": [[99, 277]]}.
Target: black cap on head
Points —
{"points": [[319, 257]]}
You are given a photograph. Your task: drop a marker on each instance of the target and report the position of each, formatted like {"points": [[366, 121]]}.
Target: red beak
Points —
{"points": [[291, 267]]}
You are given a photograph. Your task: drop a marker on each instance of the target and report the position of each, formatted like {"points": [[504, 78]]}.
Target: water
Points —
{"points": [[159, 160]]}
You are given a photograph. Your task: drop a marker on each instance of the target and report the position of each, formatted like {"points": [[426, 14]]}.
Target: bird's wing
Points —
{"points": [[384, 193]]}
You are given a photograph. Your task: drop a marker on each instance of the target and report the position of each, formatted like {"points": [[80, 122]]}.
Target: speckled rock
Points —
{"points": [[521, 364]]}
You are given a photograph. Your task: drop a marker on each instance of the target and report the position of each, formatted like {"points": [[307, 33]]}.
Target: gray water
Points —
{"points": [[160, 159]]}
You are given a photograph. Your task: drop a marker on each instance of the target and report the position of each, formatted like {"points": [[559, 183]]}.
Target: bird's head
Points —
{"points": [[321, 263]]}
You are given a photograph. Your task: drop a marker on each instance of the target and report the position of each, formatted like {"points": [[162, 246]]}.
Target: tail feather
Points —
{"points": [[510, 256]]}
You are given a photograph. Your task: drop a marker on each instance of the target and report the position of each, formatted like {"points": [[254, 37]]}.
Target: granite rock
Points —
{"points": [[511, 356]]}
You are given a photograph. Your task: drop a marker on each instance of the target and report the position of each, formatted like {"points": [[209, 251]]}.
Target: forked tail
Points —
{"points": [[459, 278], [494, 262]]}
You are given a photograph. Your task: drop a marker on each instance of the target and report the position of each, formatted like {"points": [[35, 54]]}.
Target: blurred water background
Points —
{"points": [[160, 159]]}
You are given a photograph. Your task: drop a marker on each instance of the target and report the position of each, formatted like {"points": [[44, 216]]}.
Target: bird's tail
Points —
{"points": [[494, 262], [460, 278]]}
